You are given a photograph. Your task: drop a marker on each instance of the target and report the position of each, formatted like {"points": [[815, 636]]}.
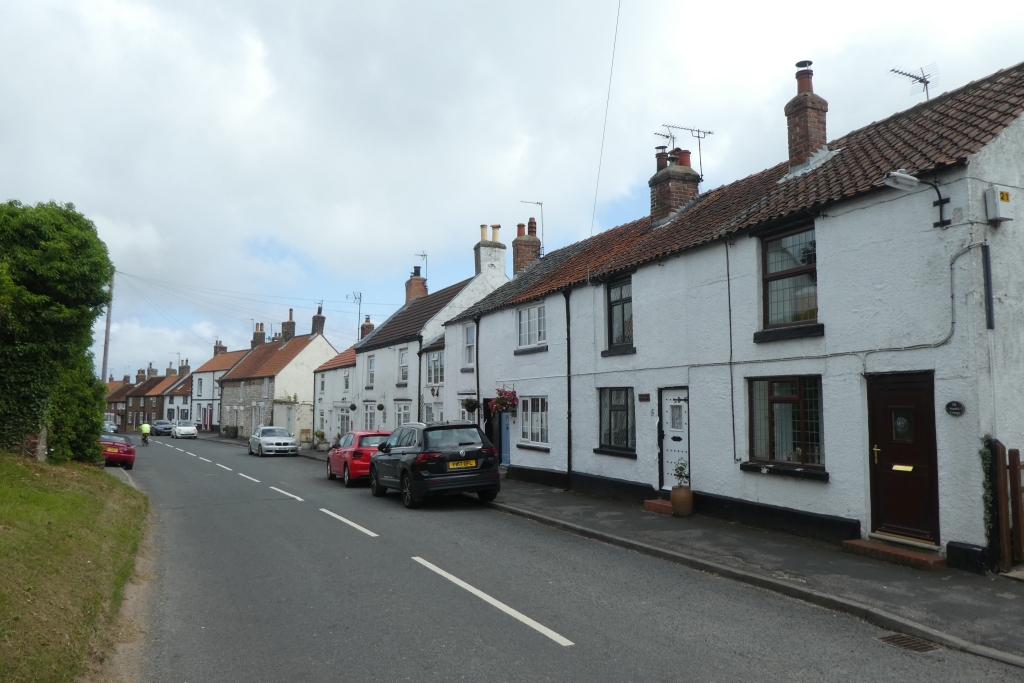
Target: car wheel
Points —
{"points": [[259, 450], [330, 473], [408, 500], [129, 466], [376, 490], [487, 496], [346, 477], [248, 447]]}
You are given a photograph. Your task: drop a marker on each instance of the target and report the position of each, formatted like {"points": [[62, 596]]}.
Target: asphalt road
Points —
{"points": [[256, 585]]}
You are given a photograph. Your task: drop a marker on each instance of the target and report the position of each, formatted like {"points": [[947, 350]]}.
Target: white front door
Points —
{"points": [[675, 425]]}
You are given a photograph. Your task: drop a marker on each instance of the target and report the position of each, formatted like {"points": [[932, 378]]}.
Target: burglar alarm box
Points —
{"points": [[998, 206]]}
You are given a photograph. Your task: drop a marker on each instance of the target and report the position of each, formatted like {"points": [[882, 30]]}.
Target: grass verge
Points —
{"points": [[68, 538]]}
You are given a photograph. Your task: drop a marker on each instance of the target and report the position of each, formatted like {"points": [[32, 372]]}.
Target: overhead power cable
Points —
{"points": [[604, 127]]}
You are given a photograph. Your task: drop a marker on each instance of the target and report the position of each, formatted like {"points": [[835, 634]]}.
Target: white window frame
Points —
{"points": [[371, 366], [200, 388], [469, 336], [531, 326], [370, 416], [533, 419], [435, 367], [403, 365], [345, 376], [323, 381], [403, 413], [266, 387]]}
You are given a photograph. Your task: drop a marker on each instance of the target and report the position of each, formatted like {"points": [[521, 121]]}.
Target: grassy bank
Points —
{"points": [[68, 537]]}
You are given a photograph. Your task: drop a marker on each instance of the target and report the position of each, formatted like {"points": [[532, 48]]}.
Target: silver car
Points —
{"points": [[272, 440], [184, 429]]}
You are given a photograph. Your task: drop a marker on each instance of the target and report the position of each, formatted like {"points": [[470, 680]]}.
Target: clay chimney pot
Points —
{"points": [[520, 229]]}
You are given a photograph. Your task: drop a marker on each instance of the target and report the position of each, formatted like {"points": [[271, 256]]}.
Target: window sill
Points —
{"points": [[531, 447], [787, 470], [401, 384], [794, 332], [369, 388], [468, 371], [530, 349], [619, 351], [617, 453]]}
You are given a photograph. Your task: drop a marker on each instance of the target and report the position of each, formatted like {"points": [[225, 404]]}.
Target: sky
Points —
{"points": [[240, 158]]}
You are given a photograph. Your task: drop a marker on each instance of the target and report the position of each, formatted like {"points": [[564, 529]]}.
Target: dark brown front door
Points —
{"points": [[904, 477]]}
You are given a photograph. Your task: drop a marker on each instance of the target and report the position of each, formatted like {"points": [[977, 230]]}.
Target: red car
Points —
{"points": [[117, 450], [352, 456]]}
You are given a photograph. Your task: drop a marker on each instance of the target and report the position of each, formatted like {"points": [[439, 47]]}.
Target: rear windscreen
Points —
{"points": [[455, 437], [372, 441]]}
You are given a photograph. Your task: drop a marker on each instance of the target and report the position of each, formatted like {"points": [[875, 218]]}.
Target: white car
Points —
{"points": [[272, 441], [184, 429]]}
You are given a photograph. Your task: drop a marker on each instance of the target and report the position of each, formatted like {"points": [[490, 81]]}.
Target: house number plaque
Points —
{"points": [[955, 408]]}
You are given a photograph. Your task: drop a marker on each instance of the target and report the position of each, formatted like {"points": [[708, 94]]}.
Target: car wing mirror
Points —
{"points": [[382, 447]]}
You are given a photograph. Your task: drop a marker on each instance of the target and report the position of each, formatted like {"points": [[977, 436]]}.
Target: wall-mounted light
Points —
{"points": [[901, 180]]}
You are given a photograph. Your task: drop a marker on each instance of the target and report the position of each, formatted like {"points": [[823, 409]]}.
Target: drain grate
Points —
{"points": [[912, 643]]}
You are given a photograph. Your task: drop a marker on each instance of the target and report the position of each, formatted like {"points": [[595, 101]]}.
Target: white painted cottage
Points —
{"points": [[825, 343], [400, 368], [206, 387]]}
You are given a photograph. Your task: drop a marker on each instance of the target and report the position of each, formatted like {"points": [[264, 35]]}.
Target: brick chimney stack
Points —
{"points": [[127, 379], [288, 327], [184, 369], [318, 321], [415, 286], [170, 372], [140, 376], [258, 336], [525, 247], [805, 118], [219, 348], [151, 372], [111, 378], [366, 328], [673, 184]]}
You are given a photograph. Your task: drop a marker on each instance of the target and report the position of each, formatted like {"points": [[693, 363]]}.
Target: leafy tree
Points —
{"points": [[75, 414], [53, 275]]}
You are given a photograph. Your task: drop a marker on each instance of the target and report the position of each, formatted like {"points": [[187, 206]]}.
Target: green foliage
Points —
{"points": [[76, 413], [681, 473], [986, 468], [53, 275]]}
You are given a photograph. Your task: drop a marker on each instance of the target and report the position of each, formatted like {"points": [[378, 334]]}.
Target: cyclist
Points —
{"points": [[145, 433]]}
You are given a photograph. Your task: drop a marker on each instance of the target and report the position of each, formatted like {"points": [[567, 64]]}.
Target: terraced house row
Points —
{"points": [[824, 343]]}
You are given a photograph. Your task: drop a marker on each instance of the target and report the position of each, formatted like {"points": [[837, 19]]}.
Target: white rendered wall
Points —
{"points": [[460, 374]]}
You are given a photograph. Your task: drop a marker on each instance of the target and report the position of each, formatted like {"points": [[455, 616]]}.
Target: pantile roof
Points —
{"points": [[120, 393], [933, 135], [146, 387], [345, 359], [408, 320], [224, 361], [268, 359], [184, 387]]}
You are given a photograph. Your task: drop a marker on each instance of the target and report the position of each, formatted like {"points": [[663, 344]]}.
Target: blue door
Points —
{"points": [[505, 441]]}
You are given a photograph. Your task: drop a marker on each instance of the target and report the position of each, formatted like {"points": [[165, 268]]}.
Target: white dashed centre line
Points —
{"points": [[350, 523], [292, 495], [248, 477], [204, 459], [227, 468], [497, 603], [192, 454]]}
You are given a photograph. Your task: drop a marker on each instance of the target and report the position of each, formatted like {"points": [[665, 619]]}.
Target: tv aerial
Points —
{"points": [[921, 78], [695, 132]]}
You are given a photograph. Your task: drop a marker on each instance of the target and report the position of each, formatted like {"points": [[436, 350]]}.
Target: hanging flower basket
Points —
{"points": [[506, 402], [470, 405]]}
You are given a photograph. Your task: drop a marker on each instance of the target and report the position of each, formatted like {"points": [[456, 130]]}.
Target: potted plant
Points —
{"points": [[319, 434], [470, 405], [682, 496], [506, 402]]}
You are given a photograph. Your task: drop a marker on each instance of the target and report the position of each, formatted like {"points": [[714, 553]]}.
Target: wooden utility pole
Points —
{"points": [[106, 335]]}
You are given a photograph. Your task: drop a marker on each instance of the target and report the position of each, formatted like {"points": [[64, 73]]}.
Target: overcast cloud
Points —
{"points": [[299, 151]]}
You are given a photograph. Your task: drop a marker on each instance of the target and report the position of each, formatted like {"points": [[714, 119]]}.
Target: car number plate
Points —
{"points": [[109, 450], [461, 464]]}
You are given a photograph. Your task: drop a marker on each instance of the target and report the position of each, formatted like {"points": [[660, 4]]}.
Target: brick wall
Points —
{"points": [[236, 405]]}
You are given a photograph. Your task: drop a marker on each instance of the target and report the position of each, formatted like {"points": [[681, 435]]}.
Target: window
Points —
{"points": [[131, 401], [184, 400], [534, 419], [370, 365], [345, 423], [170, 400], [435, 367], [439, 412], [152, 402], [618, 421], [620, 313], [532, 326], [322, 376], [790, 279], [403, 412], [403, 365], [428, 413], [470, 344], [785, 420], [369, 416], [345, 378], [266, 387], [408, 439], [199, 391]]}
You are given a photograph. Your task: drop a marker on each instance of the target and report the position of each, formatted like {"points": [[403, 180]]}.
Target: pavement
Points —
{"points": [[269, 571]]}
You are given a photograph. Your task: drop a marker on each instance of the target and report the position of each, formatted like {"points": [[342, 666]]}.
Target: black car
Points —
{"points": [[422, 460], [161, 428]]}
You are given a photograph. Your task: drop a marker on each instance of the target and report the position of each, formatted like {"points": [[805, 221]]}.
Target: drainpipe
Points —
{"points": [[568, 392], [419, 377], [479, 407]]}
